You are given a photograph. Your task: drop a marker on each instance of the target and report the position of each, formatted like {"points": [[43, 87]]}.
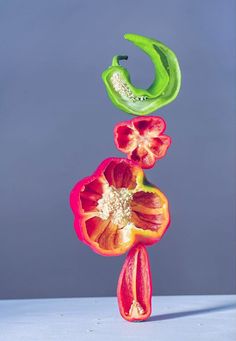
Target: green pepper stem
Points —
{"points": [[117, 58]]}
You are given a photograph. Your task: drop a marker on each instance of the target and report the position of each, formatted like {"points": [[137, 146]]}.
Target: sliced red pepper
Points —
{"points": [[134, 289], [142, 139], [116, 207]]}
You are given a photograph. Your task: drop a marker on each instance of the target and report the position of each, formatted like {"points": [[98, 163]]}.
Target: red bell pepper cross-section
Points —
{"points": [[117, 207], [142, 139], [134, 290]]}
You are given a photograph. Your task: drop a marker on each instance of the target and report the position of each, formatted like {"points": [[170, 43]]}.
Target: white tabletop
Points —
{"points": [[174, 318]]}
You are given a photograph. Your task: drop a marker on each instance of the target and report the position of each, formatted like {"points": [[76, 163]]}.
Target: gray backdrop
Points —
{"points": [[56, 126]]}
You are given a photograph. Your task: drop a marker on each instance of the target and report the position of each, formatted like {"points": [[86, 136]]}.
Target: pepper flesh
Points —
{"points": [[117, 207], [142, 139], [134, 290], [164, 88]]}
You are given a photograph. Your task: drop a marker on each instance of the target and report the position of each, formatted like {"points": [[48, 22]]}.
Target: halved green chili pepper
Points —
{"points": [[164, 88]]}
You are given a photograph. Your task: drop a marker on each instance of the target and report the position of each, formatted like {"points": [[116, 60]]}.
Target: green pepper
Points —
{"points": [[164, 88]]}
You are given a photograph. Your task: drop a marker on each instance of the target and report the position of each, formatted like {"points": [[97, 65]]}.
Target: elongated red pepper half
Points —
{"points": [[134, 291]]}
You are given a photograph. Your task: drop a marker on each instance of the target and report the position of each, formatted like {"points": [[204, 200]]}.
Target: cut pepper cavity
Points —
{"points": [[142, 139], [134, 290], [117, 207]]}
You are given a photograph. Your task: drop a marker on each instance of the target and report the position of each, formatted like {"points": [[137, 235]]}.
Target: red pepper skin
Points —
{"points": [[134, 290], [142, 140]]}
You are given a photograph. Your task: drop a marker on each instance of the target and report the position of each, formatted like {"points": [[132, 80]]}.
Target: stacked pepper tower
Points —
{"points": [[117, 209]]}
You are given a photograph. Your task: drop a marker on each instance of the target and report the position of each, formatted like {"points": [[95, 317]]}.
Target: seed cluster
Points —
{"points": [[136, 309], [115, 205], [123, 89]]}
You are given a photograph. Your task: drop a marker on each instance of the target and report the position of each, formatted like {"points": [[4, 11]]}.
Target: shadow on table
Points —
{"points": [[179, 314]]}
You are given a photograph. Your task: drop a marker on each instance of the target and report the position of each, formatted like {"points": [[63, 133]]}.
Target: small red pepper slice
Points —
{"points": [[142, 139], [134, 289]]}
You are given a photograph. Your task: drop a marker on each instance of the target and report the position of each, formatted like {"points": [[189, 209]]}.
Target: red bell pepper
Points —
{"points": [[116, 208]]}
